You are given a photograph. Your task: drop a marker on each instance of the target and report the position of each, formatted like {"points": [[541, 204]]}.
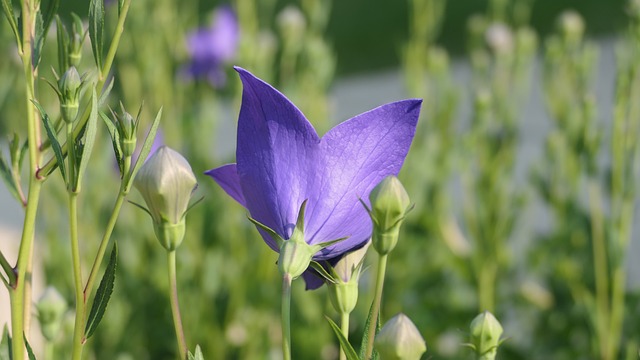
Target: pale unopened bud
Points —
{"points": [[69, 86], [499, 38], [51, 308], [572, 26], [399, 339], [291, 21], [166, 182], [343, 293], [389, 205], [485, 335]]}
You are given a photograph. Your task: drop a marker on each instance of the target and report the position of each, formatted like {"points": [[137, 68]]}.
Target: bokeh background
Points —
{"points": [[523, 170]]}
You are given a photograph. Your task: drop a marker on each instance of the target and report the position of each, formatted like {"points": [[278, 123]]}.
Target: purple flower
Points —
{"points": [[210, 48], [281, 162]]}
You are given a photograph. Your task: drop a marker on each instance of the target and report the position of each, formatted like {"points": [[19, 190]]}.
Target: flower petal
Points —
{"points": [[227, 177], [277, 155], [357, 155]]}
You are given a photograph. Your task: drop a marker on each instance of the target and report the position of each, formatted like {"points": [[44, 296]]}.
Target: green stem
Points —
{"points": [[108, 231], [48, 350], [375, 307], [600, 268], [101, 80], [344, 327], [175, 305], [486, 286], [78, 330], [286, 317]]}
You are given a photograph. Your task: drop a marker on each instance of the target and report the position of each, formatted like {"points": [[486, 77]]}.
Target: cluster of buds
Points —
{"points": [[166, 183], [68, 89], [399, 339], [389, 206]]}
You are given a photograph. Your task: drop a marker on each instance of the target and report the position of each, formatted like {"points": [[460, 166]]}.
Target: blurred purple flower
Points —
{"points": [[281, 162], [210, 48]]}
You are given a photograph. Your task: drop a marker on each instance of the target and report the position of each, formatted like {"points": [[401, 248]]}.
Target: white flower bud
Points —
{"points": [[389, 205], [399, 339]]}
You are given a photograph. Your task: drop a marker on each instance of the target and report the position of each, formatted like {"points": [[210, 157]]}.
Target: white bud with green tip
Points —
{"points": [[399, 339], [389, 206], [343, 291], [69, 87], [485, 336], [51, 308], [166, 183]]}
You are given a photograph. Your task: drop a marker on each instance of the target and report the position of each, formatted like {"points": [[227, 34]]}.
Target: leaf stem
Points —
{"points": [[175, 305], [375, 307], [78, 330], [286, 317]]}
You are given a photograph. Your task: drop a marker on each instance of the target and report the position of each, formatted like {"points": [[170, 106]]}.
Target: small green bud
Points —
{"points": [[75, 49], [485, 335], [389, 206], [166, 182], [399, 339], [51, 308], [69, 86], [343, 293], [127, 127]]}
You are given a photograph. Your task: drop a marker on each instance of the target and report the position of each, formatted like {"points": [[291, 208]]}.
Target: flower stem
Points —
{"points": [[175, 305], [375, 307], [344, 327], [78, 330], [286, 317]]}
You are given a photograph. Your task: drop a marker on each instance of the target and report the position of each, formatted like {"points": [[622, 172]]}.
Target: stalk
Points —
{"points": [[344, 327], [600, 269], [286, 317], [175, 305], [375, 307]]}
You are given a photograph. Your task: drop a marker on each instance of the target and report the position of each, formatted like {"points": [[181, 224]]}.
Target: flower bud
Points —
{"points": [[499, 38], [51, 308], [75, 49], [69, 86], [166, 182], [127, 126], [343, 293], [389, 205], [295, 257], [571, 26], [485, 335], [399, 339]]}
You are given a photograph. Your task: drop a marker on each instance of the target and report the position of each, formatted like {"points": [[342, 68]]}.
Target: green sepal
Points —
{"points": [[326, 244], [30, 354], [322, 271], [115, 140], [7, 7], [96, 30], [89, 140], [193, 204], [349, 351], [197, 355], [5, 345], [103, 294], [275, 236], [53, 140], [146, 149]]}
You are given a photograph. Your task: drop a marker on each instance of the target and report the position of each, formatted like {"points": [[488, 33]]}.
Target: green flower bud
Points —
{"points": [[399, 339], [69, 86], [343, 293], [51, 308], [166, 182], [389, 206], [75, 49], [127, 126], [295, 257], [485, 336]]}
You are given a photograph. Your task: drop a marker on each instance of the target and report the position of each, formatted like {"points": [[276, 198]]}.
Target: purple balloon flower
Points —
{"points": [[210, 48], [281, 162]]}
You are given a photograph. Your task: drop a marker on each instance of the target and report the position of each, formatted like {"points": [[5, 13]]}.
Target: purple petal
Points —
{"points": [[227, 177], [277, 155], [357, 155]]}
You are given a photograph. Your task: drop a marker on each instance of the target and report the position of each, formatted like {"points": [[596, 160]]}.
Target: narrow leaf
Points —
{"points": [[49, 14], [115, 140], [5, 344], [365, 336], [146, 149], [96, 29], [120, 5], [29, 349], [7, 176], [55, 145], [63, 46], [103, 294], [7, 7], [344, 343], [105, 93], [89, 139], [38, 41]]}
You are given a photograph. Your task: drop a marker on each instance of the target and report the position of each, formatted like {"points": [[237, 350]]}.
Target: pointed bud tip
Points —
{"points": [[400, 339]]}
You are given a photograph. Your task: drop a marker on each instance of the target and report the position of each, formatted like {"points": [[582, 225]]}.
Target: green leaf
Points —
{"points": [[49, 14], [38, 41], [7, 7], [89, 140], [103, 294], [198, 355], [55, 145], [365, 336], [7, 176], [29, 349], [96, 29], [115, 139], [120, 5], [344, 343], [63, 46], [105, 93], [5, 344], [146, 149]]}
